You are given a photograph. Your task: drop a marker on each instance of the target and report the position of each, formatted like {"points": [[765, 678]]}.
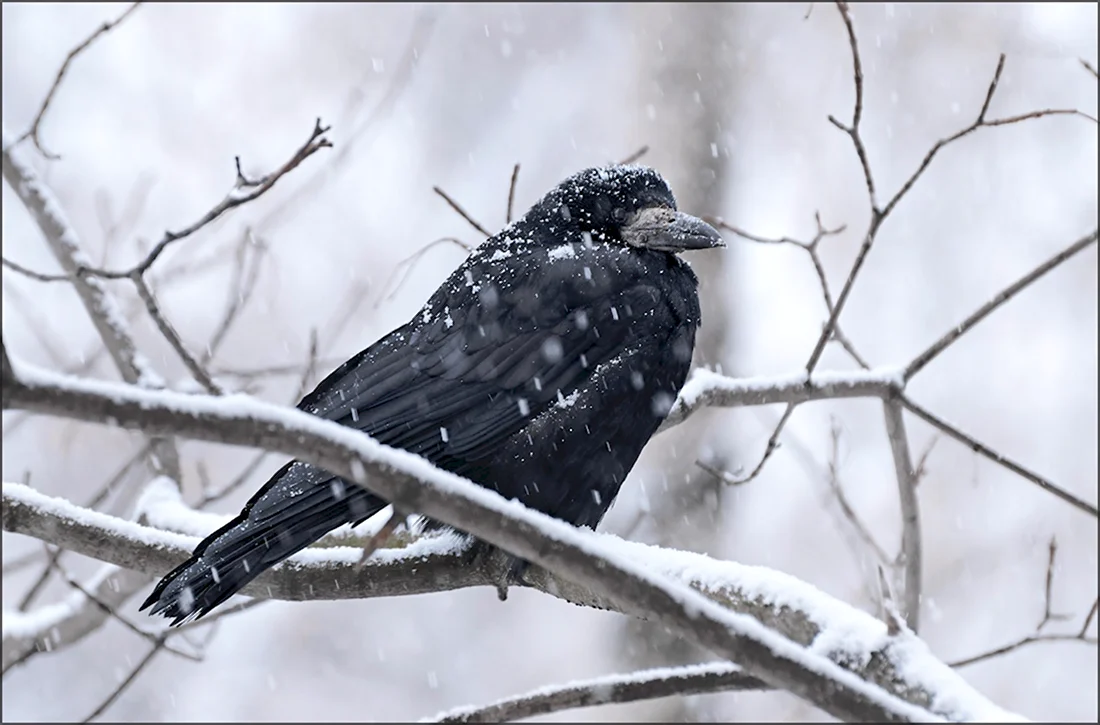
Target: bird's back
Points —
{"points": [[539, 372]]}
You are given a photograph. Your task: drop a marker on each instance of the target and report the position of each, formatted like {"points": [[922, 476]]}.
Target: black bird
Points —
{"points": [[539, 369]]}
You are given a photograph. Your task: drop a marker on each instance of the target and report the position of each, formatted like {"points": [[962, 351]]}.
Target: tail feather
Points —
{"points": [[298, 506]]}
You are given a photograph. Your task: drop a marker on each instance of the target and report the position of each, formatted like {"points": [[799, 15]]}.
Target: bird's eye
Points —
{"points": [[618, 214]]}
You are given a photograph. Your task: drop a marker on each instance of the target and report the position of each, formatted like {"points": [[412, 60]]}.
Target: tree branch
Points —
{"points": [[580, 562], [169, 332], [709, 389], [33, 132], [642, 685], [911, 550], [952, 335], [983, 450]]}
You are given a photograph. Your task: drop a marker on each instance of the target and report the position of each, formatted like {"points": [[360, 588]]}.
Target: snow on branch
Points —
{"points": [[636, 580], [709, 389]]}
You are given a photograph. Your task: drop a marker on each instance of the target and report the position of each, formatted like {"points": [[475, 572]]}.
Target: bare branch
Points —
{"points": [[879, 215], [106, 608], [54, 557], [642, 685], [69, 621], [911, 550], [634, 156], [193, 366], [269, 371], [979, 122], [857, 112], [1088, 66], [33, 132], [846, 507], [771, 447], [1088, 619], [405, 266], [895, 622], [1048, 587], [920, 361], [511, 194], [129, 679], [30, 273], [461, 212], [244, 190], [376, 540], [243, 285], [811, 249], [987, 452], [1020, 643]]}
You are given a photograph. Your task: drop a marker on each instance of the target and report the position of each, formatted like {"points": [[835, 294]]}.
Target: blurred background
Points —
{"points": [[732, 102]]}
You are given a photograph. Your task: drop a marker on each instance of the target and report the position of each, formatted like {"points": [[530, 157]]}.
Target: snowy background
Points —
{"points": [[148, 122]]}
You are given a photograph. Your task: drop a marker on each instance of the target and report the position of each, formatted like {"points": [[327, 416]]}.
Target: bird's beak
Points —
{"points": [[666, 230]]}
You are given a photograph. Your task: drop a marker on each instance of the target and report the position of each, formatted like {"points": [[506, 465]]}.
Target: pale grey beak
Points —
{"points": [[666, 230]]}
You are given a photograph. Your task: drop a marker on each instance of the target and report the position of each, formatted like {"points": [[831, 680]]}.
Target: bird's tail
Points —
{"points": [[298, 506]]}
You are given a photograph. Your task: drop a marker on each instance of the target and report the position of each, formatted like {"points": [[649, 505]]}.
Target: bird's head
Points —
{"points": [[628, 205]]}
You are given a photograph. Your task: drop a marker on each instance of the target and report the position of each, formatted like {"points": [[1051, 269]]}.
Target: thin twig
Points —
{"points": [[511, 194], [857, 111], [461, 212], [811, 249], [37, 276], [895, 622], [239, 480], [879, 215], [193, 366], [771, 447], [53, 558], [920, 361], [380, 537], [310, 369], [270, 371], [33, 132], [243, 285], [846, 507], [1048, 589], [39, 323], [1088, 619], [1048, 616], [122, 686], [1022, 642], [634, 156], [244, 190], [987, 452], [1089, 67], [110, 612], [405, 266], [911, 549]]}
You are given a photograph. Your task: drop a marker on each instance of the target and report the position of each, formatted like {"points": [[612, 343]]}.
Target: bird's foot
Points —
{"points": [[503, 570]]}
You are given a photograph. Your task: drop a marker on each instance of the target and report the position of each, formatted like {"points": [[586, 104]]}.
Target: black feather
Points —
{"points": [[539, 369]]}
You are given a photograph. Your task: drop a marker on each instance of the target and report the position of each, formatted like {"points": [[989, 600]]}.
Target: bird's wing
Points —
{"points": [[484, 357]]}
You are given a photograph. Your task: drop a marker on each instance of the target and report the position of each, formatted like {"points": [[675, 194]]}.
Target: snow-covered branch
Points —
{"points": [[602, 567], [709, 389]]}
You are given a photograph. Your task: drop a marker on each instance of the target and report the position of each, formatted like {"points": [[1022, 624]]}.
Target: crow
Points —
{"points": [[539, 369]]}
